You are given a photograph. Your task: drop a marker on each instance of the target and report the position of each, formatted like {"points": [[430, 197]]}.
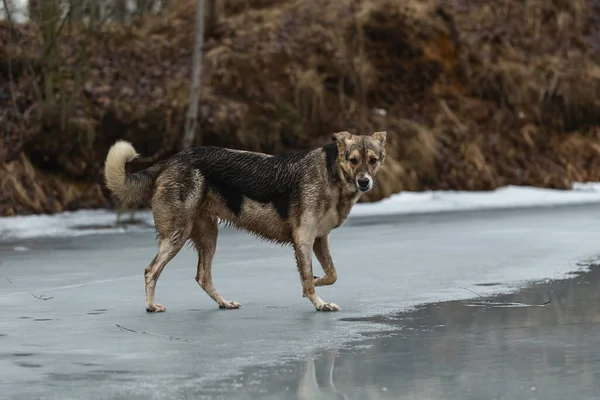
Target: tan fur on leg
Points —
{"points": [[166, 251], [321, 250], [302, 248], [204, 235]]}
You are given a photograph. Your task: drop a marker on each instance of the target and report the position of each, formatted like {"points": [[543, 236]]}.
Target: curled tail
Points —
{"points": [[131, 189]]}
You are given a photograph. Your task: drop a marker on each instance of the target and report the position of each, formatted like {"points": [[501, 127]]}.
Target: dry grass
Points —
{"points": [[474, 94], [24, 189]]}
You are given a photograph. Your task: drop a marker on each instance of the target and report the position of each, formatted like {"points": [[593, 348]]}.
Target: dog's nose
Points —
{"points": [[364, 182]]}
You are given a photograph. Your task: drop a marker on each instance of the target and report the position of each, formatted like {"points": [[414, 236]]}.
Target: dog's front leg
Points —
{"points": [[302, 248], [321, 250]]}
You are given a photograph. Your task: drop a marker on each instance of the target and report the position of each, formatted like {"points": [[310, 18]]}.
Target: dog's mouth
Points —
{"points": [[363, 189]]}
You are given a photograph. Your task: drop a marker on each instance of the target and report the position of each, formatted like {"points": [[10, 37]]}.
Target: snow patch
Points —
{"points": [[501, 198], [86, 222], [75, 223]]}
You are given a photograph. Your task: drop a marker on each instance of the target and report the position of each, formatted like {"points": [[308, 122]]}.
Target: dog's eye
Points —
{"points": [[372, 161], [354, 161]]}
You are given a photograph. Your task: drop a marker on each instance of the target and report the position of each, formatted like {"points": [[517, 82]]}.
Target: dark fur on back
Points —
{"points": [[235, 175]]}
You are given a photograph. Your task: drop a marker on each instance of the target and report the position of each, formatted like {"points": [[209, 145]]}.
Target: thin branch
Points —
{"points": [[122, 328], [488, 303], [476, 294], [127, 329], [500, 304], [8, 279], [42, 297]]}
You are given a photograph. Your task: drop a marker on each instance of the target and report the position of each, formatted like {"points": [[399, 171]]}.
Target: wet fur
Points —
{"points": [[293, 198]]}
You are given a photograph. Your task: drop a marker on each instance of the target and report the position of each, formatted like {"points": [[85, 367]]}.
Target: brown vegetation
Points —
{"points": [[474, 94]]}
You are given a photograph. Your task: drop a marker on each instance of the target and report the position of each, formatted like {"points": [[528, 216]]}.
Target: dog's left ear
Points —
{"points": [[381, 136]]}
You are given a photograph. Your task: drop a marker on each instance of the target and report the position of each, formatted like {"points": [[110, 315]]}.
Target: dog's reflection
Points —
{"points": [[308, 386]]}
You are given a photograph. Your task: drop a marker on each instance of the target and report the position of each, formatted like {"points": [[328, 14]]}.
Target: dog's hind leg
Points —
{"points": [[168, 247], [204, 236], [175, 201], [302, 249], [174, 227], [321, 250]]}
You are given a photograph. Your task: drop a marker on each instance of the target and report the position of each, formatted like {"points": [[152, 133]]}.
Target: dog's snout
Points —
{"points": [[364, 182]]}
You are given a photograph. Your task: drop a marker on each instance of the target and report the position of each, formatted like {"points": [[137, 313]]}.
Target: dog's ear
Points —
{"points": [[340, 138], [380, 136]]}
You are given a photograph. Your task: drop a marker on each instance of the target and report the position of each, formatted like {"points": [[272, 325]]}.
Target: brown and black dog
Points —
{"points": [[294, 198]]}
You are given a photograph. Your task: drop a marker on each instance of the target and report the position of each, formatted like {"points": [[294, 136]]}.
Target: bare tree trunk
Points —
{"points": [[191, 123]]}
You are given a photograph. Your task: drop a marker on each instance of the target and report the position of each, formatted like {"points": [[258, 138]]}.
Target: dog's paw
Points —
{"points": [[156, 308], [328, 307], [230, 305]]}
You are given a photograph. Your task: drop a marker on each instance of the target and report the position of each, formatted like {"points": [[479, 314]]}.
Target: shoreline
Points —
{"points": [[401, 205]]}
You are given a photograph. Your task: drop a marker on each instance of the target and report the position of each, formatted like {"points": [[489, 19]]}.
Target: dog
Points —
{"points": [[294, 198]]}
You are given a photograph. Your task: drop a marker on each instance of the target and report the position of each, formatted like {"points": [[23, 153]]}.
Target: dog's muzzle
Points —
{"points": [[364, 184]]}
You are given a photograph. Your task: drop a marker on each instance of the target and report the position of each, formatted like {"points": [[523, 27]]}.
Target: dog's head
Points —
{"points": [[360, 157]]}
